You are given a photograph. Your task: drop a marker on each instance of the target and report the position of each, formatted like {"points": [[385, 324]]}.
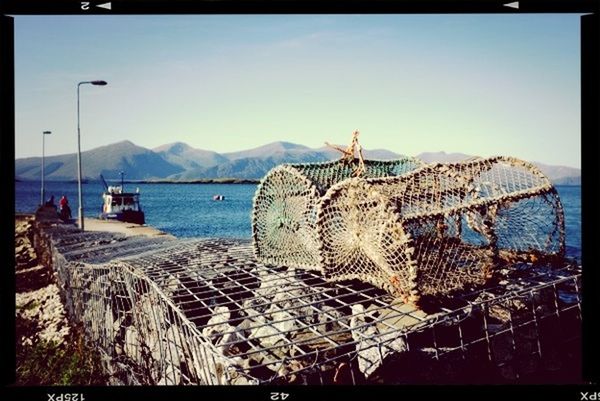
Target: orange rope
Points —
{"points": [[350, 151]]}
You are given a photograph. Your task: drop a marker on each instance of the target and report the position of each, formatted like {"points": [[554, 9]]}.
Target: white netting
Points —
{"points": [[285, 205], [439, 228]]}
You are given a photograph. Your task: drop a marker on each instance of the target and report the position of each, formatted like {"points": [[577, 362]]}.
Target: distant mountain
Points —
{"points": [[375, 154], [249, 167], [136, 162], [179, 161], [381, 154], [255, 163], [442, 157], [183, 155], [559, 175], [567, 181], [280, 149]]}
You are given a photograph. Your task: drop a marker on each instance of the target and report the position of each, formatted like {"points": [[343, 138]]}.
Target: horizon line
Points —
{"points": [[152, 149]]}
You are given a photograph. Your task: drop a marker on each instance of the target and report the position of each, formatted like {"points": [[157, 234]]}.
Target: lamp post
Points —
{"points": [[43, 191], [100, 83]]}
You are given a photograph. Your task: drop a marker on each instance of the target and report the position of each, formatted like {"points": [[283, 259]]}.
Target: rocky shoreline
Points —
{"points": [[49, 349], [37, 299]]}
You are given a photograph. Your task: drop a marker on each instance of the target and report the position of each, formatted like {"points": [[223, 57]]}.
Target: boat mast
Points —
{"points": [[104, 182]]}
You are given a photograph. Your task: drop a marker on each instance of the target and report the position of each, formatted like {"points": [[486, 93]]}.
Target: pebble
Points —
{"points": [[44, 307]]}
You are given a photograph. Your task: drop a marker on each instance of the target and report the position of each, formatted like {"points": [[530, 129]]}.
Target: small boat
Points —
{"points": [[120, 205], [219, 197]]}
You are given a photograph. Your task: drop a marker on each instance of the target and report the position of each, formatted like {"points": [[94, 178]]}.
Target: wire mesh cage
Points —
{"points": [[440, 228], [285, 206], [207, 312]]}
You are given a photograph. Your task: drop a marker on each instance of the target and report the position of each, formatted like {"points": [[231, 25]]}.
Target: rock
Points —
{"points": [[373, 342], [171, 376], [150, 322], [235, 372], [176, 342], [284, 322], [221, 333], [228, 344], [109, 324], [247, 324], [267, 335], [171, 285], [43, 306], [329, 319], [217, 325], [241, 380], [510, 308], [132, 343]]}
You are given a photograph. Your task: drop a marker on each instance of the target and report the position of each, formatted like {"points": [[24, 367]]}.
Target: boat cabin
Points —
{"points": [[116, 201]]}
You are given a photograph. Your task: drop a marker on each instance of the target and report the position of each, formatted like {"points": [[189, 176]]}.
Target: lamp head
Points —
{"points": [[101, 83], [47, 132]]}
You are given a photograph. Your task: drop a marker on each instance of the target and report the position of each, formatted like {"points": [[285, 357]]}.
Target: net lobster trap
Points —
{"points": [[440, 228], [284, 217]]}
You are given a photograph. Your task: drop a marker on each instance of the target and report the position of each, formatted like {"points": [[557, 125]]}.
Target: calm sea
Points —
{"points": [[187, 210]]}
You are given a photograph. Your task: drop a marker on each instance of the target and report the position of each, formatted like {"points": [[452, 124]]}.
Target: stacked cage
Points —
{"points": [[284, 220], [440, 228], [204, 311]]}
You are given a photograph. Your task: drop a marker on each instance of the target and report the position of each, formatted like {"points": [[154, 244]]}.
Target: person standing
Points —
{"points": [[65, 209]]}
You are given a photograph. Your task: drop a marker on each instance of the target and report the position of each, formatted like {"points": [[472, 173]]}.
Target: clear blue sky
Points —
{"points": [[476, 84]]}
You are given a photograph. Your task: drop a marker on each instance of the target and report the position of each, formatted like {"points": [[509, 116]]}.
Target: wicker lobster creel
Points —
{"points": [[439, 228], [284, 220]]}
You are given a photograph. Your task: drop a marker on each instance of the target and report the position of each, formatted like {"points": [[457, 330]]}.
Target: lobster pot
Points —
{"points": [[440, 228], [285, 206]]}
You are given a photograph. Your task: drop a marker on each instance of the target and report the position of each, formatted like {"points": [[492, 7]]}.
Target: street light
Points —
{"points": [[43, 191], [100, 83]]}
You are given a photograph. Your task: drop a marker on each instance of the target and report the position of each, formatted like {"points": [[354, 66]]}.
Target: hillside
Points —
{"points": [[181, 162], [183, 155], [135, 161]]}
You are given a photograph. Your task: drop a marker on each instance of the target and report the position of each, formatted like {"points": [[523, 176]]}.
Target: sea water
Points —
{"points": [[188, 210]]}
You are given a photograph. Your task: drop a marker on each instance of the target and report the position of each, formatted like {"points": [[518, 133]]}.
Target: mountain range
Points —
{"points": [[180, 162]]}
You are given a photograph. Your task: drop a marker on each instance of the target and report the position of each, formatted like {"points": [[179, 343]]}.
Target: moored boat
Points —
{"points": [[120, 205]]}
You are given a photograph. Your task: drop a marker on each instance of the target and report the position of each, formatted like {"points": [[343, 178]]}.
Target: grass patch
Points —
{"points": [[46, 363]]}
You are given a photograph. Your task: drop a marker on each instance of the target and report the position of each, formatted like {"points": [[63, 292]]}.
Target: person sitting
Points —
{"points": [[50, 202]]}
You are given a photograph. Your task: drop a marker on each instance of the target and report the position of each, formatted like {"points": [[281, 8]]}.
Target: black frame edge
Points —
{"points": [[590, 130], [7, 175]]}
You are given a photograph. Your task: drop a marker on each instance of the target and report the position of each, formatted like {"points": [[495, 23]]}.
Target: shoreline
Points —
{"points": [[239, 181], [128, 229], [50, 349], [162, 181], [108, 226]]}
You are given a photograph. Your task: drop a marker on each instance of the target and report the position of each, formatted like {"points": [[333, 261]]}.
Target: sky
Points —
{"points": [[483, 85]]}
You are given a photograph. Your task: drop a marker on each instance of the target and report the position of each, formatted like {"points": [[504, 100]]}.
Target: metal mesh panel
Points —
{"points": [[285, 206], [440, 228], [207, 312]]}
